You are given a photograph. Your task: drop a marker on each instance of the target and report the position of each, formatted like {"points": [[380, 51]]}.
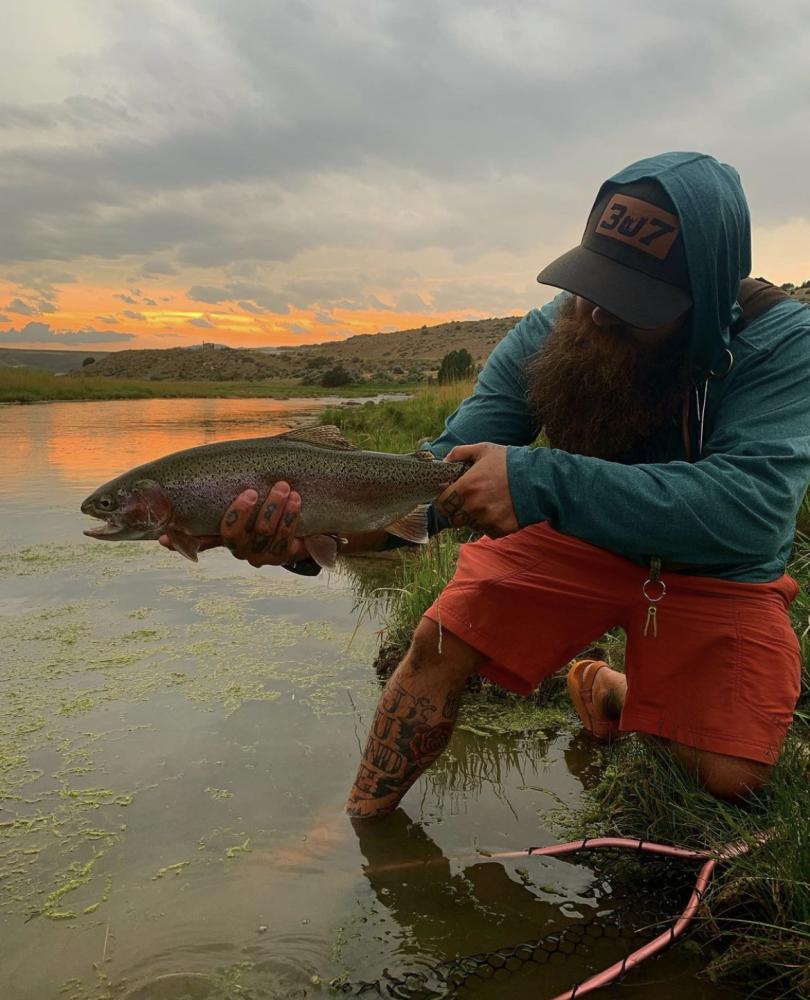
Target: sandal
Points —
{"points": [[580, 680]]}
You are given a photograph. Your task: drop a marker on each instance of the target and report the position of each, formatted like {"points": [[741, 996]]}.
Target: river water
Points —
{"points": [[176, 745]]}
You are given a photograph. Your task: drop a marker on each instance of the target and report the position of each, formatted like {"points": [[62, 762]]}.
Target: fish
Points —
{"points": [[344, 490]]}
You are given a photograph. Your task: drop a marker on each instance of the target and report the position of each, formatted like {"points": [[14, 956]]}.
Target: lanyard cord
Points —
{"points": [[700, 404]]}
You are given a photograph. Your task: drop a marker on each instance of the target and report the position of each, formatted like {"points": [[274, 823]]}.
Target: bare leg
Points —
{"points": [[414, 719], [725, 776]]}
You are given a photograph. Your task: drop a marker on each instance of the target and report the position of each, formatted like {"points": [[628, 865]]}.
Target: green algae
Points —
{"points": [[175, 869], [219, 793], [46, 559], [212, 641], [237, 849]]}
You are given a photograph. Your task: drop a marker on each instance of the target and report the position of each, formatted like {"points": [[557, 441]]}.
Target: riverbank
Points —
{"points": [[754, 924], [25, 386]]}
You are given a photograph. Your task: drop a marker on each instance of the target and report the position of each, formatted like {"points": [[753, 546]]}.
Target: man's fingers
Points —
{"points": [[270, 515], [237, 517], [465, 453], [286, 526], [451, 501]]}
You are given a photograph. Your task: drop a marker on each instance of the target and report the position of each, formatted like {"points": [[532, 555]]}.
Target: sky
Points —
{"points": [[268, 172]]}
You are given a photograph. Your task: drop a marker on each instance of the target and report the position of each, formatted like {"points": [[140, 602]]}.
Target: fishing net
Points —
{"points": [[467, 976]]}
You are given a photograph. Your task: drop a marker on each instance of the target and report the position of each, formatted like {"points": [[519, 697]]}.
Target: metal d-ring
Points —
{"points": [[660, 597]]}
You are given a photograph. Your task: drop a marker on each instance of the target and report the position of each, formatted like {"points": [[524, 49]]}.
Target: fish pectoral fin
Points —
{"points": [[326, 435], [184, 543], [322, 548], [413, 527]]}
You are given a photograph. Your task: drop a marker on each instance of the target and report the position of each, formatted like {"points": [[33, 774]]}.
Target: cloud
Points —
{"points": [[106, 319], [412, 303], [41, 333], [207, 293], [251, 308], [201, 322], [4, 319], [266, 299], [149, 302], [126, 298], [326, 320], [187, 145], [18, 306], [132, 314], [158, 268]]}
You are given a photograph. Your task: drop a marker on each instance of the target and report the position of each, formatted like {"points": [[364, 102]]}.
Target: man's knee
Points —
{"points": [[726, 777], [434, 648]]}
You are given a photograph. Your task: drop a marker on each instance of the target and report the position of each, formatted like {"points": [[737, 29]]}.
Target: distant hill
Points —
{"points": [[405, 355], [52, 361]]}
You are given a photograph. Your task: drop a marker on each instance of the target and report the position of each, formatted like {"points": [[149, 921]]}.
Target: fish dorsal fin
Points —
{"points": [[413, 526], [326, 435]]}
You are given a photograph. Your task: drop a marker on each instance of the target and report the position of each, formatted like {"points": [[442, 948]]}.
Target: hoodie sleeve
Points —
{"points": [[736, 505], [497, 410]]}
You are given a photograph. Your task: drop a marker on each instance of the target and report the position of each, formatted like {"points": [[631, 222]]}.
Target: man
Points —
{"points": [[679, 456]]}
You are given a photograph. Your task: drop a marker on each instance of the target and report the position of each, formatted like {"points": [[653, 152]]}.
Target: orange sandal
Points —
{"points": [[580, 680]]}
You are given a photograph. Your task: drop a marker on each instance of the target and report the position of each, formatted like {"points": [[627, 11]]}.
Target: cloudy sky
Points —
{"points": [[290, 171]]}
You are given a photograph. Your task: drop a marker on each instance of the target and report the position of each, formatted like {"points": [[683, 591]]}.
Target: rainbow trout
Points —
{"points": [[343, 490]]}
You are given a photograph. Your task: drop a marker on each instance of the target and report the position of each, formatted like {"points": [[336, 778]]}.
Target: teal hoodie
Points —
{"points": [[731, 512]]}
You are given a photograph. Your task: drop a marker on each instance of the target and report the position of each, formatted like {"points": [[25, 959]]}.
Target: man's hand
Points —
{"points": [[263, 533], [480, 498]]}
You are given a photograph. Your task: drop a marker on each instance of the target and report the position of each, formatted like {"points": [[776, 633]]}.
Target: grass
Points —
{"points": [[398, 426], [24, 385], [755, 924]]}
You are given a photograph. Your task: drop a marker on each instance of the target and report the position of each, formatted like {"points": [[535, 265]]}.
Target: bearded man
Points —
{"points": [[679, 433]]}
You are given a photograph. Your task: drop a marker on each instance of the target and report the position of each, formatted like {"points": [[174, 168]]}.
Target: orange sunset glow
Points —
{"points": [[165, 316]]}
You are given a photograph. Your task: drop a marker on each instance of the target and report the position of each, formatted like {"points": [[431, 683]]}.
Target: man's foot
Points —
{"points": [[597, 699]]}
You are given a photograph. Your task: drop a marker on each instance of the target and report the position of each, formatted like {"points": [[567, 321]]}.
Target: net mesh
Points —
{"points": [[464, 977]]}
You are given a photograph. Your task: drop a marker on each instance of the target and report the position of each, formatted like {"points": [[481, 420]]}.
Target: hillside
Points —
{"points": [[56, 362], [405, 355]]}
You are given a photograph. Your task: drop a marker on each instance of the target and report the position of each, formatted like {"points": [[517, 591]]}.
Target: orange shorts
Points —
{"points": [[722, 675]]}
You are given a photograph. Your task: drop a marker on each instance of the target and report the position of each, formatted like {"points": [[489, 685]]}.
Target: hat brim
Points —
{"points": [[631, 296]]}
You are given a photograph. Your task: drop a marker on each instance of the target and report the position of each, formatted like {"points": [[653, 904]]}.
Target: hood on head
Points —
{"points": [[716, 230]]}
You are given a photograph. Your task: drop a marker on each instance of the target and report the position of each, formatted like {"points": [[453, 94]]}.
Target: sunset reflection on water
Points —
{"points": [[80, 442]]}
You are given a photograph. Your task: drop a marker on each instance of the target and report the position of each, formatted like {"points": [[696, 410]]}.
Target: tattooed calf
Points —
{"points": [[408, 733]]}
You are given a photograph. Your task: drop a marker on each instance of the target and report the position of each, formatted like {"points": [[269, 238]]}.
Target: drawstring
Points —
{"points": [[700, 404], [700, 407]]}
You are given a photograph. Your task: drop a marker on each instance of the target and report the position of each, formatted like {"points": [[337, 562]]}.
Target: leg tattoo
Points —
{"points": [[408, 733]]}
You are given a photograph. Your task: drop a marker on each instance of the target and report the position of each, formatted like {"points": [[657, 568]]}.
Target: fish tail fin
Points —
{"points": [[413, 526]]}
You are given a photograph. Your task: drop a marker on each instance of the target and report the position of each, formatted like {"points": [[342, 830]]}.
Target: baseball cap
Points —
{"points": [[632, 260]]}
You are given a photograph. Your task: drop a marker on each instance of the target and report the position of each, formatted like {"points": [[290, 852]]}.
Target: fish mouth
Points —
{"points": [[106, 530]]}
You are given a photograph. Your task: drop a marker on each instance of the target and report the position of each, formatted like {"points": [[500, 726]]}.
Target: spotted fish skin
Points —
{"points": [[343, 490]]}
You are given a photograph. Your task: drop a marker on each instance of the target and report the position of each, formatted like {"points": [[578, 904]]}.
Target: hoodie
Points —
{"points": [[730, 511]]}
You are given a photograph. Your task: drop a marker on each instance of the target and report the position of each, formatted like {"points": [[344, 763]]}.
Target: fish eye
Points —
{"points": [[106, 502]]}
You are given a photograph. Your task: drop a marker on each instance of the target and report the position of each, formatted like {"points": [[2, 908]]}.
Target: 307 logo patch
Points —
{"points": [[639, 224]]}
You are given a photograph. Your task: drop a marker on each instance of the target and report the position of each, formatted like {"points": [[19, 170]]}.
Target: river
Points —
{"points": [[176, 745]]}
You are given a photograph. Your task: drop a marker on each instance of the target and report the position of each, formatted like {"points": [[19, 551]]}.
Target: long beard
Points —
{"points": [[597, 393]]}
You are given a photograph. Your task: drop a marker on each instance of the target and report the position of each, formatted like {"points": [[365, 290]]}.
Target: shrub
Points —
{"points": [[456, 366], [336, 376]]}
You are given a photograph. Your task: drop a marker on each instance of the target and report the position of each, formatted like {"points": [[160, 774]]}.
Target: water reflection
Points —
{"points": [[89, 442]]}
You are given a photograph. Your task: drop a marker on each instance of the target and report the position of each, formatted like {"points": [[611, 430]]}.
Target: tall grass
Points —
{"points": [[24, 385], [398, 426]]}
